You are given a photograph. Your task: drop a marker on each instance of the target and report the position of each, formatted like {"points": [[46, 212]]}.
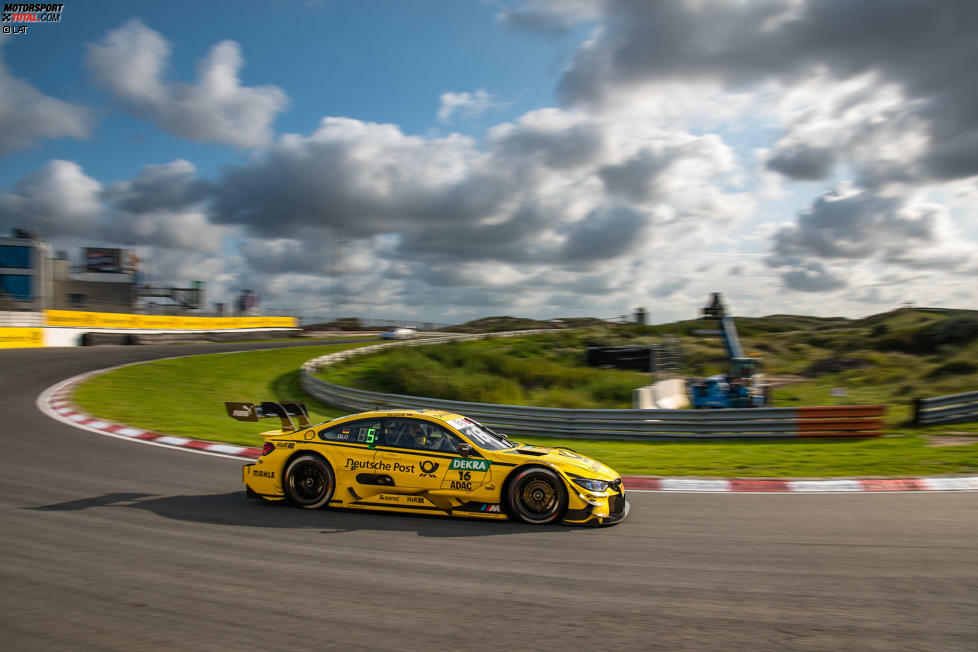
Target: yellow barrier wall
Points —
{"points": [[79, 319], [14, 338]]}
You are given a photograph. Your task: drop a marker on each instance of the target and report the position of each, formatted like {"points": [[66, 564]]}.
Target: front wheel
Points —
{"points": [[309, 482], [537, 496]]}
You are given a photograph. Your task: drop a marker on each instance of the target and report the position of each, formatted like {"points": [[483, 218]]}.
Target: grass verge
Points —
{"points": [[185, 396]]}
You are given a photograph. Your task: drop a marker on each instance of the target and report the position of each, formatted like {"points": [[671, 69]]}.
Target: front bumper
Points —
{"points": [[615, 511]]}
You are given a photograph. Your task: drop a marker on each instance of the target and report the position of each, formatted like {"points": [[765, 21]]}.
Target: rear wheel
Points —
{"points": [[309, 482], [537, 496]]}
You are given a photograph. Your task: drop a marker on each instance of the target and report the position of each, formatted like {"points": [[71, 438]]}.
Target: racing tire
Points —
{"points": [[536, 496], [309, 482]]}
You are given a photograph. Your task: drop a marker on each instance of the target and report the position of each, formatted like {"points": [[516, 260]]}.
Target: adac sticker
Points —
{"points": [[469, 464]]}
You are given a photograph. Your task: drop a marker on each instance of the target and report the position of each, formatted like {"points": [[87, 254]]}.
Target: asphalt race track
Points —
{"points": [[114, 545]]}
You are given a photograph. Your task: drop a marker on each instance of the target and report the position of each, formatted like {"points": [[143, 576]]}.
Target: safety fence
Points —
{"points": [[828, 421], [953, 408], [76, 327]]}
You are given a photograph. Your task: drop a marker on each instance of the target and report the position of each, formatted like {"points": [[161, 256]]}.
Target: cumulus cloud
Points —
{"points": [[540, 200], [551, 17], [548, 137], [812, 277], [367, 178], [641, 176], [168, 186], [161, 207], [57, 200], [794, 44], [669, 287], [27, 114], [465, 104], [849, 225], [803, 161], [313, 256], [605, 235], [844, 88], [130, 62]]}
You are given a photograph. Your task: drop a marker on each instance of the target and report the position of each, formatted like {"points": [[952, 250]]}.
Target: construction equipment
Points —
{"points": [[742, 385]]}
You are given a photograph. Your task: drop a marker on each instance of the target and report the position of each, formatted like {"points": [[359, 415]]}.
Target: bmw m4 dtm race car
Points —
{"points": [[424, 461]]}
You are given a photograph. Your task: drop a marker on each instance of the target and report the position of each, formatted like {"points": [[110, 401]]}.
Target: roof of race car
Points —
{"points": [[440, 415]]}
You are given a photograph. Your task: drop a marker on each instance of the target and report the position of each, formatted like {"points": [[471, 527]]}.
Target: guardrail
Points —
{"points": [[830, 421], [953, 408]]}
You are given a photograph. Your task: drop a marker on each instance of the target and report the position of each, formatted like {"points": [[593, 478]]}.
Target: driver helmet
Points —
{"points": [[420, 439]]}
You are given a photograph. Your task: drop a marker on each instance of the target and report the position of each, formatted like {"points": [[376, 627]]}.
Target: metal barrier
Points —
{"points": [[953, 408], [852, 421]]}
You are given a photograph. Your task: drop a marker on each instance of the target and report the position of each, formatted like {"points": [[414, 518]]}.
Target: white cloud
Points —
{"points": [[130, 62], [27, 114], [60, 202], [57, 200], [855, 226], [550, 16], [860, 93], [532, 220], [466, 104]]}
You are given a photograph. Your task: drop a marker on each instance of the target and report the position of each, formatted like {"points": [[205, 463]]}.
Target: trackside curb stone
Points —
{"points": [[56, 403]]}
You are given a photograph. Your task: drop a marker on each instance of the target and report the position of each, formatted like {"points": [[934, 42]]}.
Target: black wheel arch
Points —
{"points": [[504, 490], [305, 452]]}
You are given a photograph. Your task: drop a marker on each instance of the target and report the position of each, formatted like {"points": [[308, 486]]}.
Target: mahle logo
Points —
{"points": [[469, 464]]}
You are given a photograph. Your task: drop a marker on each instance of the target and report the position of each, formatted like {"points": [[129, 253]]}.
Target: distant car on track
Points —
{"points": [[399, 334], [424, 461]]}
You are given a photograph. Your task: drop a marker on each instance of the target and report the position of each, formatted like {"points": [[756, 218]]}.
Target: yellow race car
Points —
{"points": [[424, 461]]}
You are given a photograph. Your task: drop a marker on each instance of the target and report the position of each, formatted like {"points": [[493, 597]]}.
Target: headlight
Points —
{"points": [[592, 485]]}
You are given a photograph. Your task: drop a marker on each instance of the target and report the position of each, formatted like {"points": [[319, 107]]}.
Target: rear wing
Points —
{"points": [[284, 410]]}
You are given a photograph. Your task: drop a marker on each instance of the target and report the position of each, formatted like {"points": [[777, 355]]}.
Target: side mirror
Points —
{"points": [[465, 450]]}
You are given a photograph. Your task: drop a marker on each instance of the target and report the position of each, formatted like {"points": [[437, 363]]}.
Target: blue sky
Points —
{"points": [[382, 61], [452, 159]]}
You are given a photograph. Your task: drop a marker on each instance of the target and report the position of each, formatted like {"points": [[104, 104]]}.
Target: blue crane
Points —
{"points": [[740, 386]]}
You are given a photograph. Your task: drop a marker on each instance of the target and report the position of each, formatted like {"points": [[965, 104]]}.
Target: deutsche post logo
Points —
{"points": [[428, 468]]}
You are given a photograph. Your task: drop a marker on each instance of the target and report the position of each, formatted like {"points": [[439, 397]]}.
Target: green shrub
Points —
{"points": [[954, 368], [953, 331]]}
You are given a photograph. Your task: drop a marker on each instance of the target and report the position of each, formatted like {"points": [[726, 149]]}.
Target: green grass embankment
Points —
{"points": [[185, 396], [540, 370]]}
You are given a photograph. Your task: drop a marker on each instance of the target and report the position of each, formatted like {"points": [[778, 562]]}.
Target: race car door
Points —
{"points": [[351, 447], [417, 454]]}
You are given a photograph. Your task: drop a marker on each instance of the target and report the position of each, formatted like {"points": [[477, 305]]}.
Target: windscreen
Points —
{"points": [[479, 435]]}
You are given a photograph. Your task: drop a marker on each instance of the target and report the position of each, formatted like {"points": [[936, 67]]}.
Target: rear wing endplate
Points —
{"points": [[293, 414]]}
